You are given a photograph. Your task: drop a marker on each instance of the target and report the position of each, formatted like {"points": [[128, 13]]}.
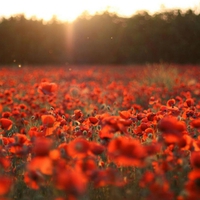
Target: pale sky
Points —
{"points": [[70, 9]]}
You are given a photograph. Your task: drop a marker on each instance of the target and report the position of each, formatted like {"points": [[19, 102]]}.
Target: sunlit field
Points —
{"points": [[100, 132]]}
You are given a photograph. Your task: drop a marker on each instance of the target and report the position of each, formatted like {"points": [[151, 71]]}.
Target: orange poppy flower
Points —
{"points": [[125, 114], [6, 124], [125, 122], [54, 154], [48, 120], [53, 130]]}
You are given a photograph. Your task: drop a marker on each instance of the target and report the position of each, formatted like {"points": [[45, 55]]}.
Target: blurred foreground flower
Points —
{"points": [[126, 152], [172, 129], [5, 184]]}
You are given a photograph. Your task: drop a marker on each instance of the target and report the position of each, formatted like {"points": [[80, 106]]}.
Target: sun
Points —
{"points": [[64, 10]]}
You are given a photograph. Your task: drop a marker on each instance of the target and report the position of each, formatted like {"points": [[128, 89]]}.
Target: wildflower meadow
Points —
{"points": [[100, 132]]}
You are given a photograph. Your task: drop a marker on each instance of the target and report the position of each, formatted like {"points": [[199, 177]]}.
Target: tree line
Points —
{"points": [[171, 36]]}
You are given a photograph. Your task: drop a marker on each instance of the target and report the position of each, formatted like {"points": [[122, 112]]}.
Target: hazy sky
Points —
{"points": [[70, 9]]}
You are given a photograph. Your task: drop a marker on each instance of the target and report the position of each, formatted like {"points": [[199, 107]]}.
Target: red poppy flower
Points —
{"points": [[41, 164], [1, 108], [93, 120], [5, 184], [5, 162], [77, 114], [160, 191], [195, 159], [149, 130], [6, 124], [126, 152], [193, 184], [152, 100], [20, 139], [171, 128], [195, 123], [106, 132], [151, 116], [42, 146], [19, 145], [186, 142], [171, 124], [16, 112], [78, 148], [47, 88], [189, 102], [86, 166], [171, 102], [107, 177], [34, 132], [153, 148], [144, 126], [48, 120], [6, 114], [140, 116], [147, 179], [96, 148], [33, 179], [72, 182]]}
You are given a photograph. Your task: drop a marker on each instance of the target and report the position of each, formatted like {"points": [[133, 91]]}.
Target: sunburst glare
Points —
{"points": [[70, 10]]}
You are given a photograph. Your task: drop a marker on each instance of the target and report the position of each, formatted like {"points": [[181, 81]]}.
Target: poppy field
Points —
{"points": [[100, 132]]}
